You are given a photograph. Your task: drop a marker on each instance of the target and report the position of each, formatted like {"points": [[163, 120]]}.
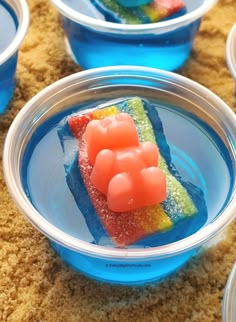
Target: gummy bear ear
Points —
{"points": [[125, 117]]}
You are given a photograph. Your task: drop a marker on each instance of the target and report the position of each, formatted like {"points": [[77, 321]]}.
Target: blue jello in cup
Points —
{"points": [[14, 19], [200, 131], [94, 42]]}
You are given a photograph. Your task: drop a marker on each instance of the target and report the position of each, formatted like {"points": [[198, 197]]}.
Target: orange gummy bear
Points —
{"points": [[129, 191], [124, 170], [113, 132], [130, 160]]}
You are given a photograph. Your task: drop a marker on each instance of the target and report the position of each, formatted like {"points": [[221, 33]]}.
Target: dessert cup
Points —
{"points": [[93, 42], [56, 216]]}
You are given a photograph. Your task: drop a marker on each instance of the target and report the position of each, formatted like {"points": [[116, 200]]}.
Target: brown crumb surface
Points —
{"points": [[34, 284]]}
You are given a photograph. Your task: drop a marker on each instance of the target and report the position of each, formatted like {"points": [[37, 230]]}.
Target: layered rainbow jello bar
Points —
{"points": [[180, 209], [154, 11]]}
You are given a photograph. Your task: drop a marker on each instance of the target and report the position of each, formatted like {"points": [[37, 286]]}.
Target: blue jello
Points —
{"points": [[8, 21]]}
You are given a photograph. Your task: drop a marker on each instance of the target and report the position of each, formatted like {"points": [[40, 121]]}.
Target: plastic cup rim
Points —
{"points": [[229, 295], [74, 15], [231, 51]]}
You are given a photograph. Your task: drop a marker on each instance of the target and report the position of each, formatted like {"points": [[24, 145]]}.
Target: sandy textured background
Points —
{"points": [[34, 284]]}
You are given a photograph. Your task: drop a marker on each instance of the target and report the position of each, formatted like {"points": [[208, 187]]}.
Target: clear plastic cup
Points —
{"points": [[229, 300], [54, 217], [93, 42], [231, 52], [8, 58]]}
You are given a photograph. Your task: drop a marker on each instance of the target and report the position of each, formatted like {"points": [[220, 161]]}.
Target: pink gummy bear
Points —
{"points": [[113, 132], [124, 170], [130, 160], [129, 177], [128, 192]]}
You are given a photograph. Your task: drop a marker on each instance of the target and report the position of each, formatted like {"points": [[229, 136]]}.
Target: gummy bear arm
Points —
{"points": [[102, 170]]}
